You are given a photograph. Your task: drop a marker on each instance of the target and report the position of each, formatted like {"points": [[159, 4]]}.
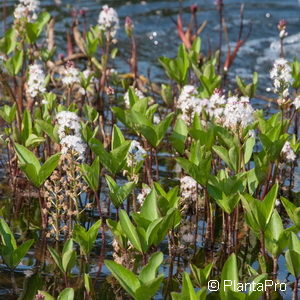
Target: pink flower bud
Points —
{"points": [[128, 26], [194, 8], [281, 24]]}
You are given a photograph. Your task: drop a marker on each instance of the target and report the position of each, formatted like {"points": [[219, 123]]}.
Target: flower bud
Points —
{"points": [[82, 12], [194, 8], [128, 26], [219, 4], [282, 25]]}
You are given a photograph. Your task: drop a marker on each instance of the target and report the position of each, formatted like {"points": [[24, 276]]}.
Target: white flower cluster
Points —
{"points": [[296, 102], [69, 123], [69, 133], [281, 76], [70, 76], [143, 194], [138, 93], [189, 103], [215, 105], [36, 80], [188, 190], [238, 112], [108, 20], [136, 153], [27, 9], [288, 152], [75, 143]]}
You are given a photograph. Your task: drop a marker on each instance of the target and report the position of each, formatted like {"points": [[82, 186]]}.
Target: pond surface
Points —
{"points": [[156, 35]]}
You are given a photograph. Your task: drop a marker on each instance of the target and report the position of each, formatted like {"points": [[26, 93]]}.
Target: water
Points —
{"points": [[156, 36], [157, 17]]}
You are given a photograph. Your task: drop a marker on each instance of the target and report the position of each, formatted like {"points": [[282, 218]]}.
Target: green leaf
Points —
{"points": [[68, 256], [118, 193], [149, 289], [259, 212], [275, 237], [223, 154], [179, 136], [201, 275], [113, 161], [14, 64], [7, 236], [162, 128], [66, 294], [47, 129], [9, 41], [68, 260], [91, 174], [130, 230], [57, 258], [20, 252], [27, 157], [149, 271], [86, 239], [33, 140], [292, 258], [292, 211], [188, 292], [33, 30], [117, 137], [149, 208], [48, 167], [126, 278], [8, 113], [249, 145], [229, 272]]}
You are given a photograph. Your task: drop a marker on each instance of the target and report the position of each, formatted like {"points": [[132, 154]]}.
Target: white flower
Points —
{"points": [[36, 80], [283, 33], [20, 11], [238, 112], [27, 9], [188, 188], [70, 76], [136, 153], [189, 103], [108, 20], [156, 119], [73, 142], [297, 102], [281, 76], [215, 106], [288, 152], [143, 194], [137, 92], [69, 133], [32, 5], [69, 123]]}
